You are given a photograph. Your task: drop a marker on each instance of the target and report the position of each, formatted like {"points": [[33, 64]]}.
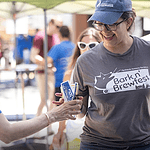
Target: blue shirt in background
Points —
{"points": [[21, 44], [60, 54]]}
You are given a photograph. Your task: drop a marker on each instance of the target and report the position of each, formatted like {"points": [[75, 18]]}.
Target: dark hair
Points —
{"points": [[88, 31], [37, 30], [128, 14], [65, 32]]}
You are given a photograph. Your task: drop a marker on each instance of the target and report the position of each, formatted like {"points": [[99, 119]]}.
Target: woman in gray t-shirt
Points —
{"points": [[115, 74]]}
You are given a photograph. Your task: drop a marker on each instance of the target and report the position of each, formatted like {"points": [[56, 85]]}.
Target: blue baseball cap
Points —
{"points": [[109, 11]]}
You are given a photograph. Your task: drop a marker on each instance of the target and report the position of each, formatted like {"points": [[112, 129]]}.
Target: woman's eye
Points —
{"points": [[111, 25]]}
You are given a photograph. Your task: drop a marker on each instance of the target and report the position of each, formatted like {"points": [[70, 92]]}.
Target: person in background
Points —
{"points": [[21, 54], [36, 30], [87, 40], [24, 43], [115, 74], [14, 131], [59, 54], [37, 57]]}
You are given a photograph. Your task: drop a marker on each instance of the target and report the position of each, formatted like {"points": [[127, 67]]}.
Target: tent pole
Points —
{"points": [[14, 19], [15, 50], [46, 76]]}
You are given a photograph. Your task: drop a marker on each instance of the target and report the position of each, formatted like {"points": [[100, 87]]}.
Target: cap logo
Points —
{"points": [[106, 5], [99, 3]]}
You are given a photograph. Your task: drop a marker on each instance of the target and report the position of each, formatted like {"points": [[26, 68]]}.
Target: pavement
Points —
{"points": [[11, 104]]}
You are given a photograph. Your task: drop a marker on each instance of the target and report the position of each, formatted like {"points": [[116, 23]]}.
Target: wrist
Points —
{"points": [[47, 119], [50, 119]]}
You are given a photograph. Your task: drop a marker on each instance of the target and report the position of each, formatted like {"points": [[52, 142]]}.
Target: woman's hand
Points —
{"points": [[66, 110], [61, 100]]}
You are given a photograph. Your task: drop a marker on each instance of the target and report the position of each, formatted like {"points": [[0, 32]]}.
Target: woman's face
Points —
{"points": [[53, 28], [87, 39], [113, 39]]}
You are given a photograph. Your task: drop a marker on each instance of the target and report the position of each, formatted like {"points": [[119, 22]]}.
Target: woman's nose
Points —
{"points": [[106, 29]]}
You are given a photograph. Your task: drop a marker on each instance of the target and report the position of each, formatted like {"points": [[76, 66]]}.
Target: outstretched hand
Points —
{"points": [[61, 100], [66, 110]]}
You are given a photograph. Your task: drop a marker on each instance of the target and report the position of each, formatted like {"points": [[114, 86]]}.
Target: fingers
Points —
{"points": [[75, 112], [79, 97], [75, 107], [71, 117], [69, 114], [58, 94], [74, 102], [61, 101]]}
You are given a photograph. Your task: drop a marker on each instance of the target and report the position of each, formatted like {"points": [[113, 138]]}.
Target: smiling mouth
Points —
{"points": [[109, 37]]}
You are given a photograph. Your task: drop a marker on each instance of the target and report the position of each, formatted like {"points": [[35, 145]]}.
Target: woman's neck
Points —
{"points": [[122, 47]]}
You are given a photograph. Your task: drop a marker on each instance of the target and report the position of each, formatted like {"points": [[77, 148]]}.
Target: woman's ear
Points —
{"points": [[129, 22]]}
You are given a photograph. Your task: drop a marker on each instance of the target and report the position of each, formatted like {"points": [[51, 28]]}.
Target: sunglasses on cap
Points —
{"points": [[58, 27], [83, 45]]}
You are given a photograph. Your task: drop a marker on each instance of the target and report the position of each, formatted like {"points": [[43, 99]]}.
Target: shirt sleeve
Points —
{"points": [[0, 111], [83, 90], [77, 76]]}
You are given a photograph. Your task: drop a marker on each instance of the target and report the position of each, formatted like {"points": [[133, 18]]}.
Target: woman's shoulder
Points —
{"points": [[140, 41]]}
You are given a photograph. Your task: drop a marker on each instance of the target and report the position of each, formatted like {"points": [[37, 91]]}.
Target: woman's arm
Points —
{"points": [[35, 57], [10, 132], [84, 107]]}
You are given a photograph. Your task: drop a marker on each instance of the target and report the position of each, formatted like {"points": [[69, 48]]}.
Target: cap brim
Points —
{"points": [[105, 17]]}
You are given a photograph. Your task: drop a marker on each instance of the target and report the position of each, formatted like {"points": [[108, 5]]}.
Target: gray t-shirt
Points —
{"points": [[118, 86]]}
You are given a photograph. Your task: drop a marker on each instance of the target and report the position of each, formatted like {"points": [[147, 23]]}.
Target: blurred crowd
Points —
{"points": [[61, 56]]}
